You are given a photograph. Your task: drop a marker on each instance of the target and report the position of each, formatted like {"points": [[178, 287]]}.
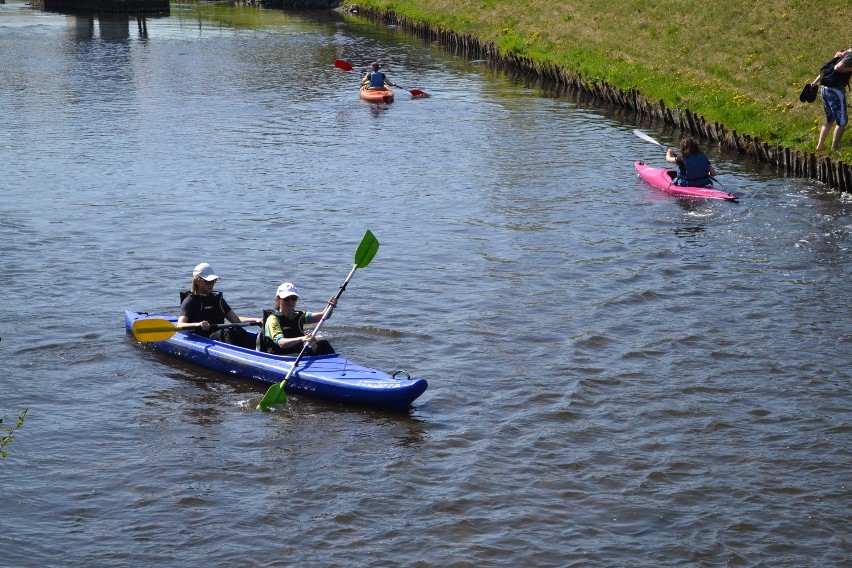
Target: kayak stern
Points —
{"points": [[376, 96]]}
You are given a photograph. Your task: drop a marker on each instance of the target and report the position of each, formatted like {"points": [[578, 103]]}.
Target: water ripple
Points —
{"points": [[617, 378]]}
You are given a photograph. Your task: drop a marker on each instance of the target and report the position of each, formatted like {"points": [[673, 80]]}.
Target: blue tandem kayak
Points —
{"points": [[330, 377]]}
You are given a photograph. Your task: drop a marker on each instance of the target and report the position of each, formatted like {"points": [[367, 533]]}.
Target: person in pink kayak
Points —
{"points": [[694, 168], [375, 79]]}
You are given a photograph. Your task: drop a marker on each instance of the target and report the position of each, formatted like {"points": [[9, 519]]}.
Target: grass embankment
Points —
{"points": [[741, 64]]}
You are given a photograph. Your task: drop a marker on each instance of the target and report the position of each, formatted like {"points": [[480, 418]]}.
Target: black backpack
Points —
{"points": [[829, 78], [263, 343]]}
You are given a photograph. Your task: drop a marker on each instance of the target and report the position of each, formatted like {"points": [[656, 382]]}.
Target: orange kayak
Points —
{"points": [[376, 96]]}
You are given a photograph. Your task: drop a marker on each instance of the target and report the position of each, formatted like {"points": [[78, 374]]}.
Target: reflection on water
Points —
{"points": [[106, 27], [689, 233]]}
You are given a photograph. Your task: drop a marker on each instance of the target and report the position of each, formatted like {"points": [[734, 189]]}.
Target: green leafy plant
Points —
{"points": [[8, 434]]}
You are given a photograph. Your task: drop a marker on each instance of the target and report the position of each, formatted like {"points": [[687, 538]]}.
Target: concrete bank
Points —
{"points": [[797, 163]]}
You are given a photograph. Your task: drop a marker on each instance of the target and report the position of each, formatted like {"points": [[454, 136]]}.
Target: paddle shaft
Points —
{"points": [[158, 329], [216, 326], [346, 66]]}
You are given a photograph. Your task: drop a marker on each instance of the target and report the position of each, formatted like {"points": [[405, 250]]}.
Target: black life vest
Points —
{"points": [[210, 307], [290, 327]]}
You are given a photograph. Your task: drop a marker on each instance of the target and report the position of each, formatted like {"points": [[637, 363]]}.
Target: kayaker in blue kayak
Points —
{"points": [[375, 79], [284, 328], [694, 168], [201, 305]]}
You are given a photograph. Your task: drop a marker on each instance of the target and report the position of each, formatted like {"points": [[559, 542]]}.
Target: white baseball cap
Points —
{"points": [[205, 271], [286, 290]]}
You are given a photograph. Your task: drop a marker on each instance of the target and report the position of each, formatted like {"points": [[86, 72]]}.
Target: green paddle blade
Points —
{"points": [[275, 395], [366, 250], [153, 329]]}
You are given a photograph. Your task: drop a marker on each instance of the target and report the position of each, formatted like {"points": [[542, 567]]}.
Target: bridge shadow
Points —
{"points": [[110, 27], [114, 23], [99, 7]]}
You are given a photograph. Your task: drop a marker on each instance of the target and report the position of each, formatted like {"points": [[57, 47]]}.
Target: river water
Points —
{"points": [[617, 377]]}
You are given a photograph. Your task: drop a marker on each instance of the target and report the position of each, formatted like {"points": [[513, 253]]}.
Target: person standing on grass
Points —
{"points": [[834, 84]]}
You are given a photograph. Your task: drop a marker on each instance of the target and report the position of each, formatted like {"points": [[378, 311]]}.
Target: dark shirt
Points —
{"points": [[693, 171], [836, 79], [210, 307]]}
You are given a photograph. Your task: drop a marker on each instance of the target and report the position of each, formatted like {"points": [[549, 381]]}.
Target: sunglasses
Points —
{"points": [[290, 299], [209, 282]]}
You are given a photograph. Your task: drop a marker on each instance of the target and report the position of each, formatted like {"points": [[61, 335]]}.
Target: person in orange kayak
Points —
{"points": [[375, 79], [283, 330], [694, 168], [202, 305]]}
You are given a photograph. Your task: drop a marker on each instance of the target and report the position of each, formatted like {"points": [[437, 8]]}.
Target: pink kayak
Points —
{"points": [[664, 179]]}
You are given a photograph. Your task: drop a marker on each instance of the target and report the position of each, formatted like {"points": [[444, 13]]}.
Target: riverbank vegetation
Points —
{"points": [[741, 64]]}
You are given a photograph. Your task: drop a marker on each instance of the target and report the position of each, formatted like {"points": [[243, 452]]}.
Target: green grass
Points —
{"points": [[741, 64]]}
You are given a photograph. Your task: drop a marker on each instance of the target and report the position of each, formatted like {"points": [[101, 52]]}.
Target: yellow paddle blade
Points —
{"points": [[153, 329]]}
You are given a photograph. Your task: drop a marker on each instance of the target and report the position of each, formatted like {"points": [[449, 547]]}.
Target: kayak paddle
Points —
{"points": [[156, 329], [363, 255], [415, 93], [343, 64], [647, 138]]}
